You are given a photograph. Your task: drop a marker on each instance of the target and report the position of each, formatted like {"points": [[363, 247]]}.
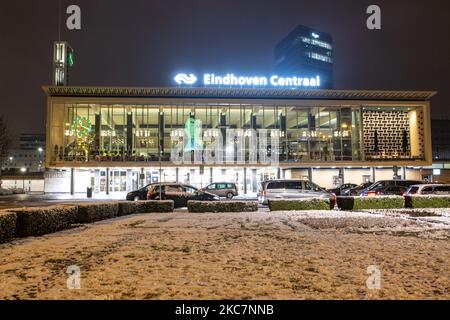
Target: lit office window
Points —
{"points": [[320, 57], [317, 43]]}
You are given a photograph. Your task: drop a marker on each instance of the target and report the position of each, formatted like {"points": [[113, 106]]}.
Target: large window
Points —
{"points": [[137, 132]]}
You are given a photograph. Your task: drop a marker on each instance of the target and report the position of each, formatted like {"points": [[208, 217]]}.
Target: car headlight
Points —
{"points": [[216, 198]]}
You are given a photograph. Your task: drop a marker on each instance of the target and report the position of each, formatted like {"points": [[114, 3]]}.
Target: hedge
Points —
{"points": [[8, 222], [91, 212], [222, 206], [150, 206], [299, 204], [38, 221], [378, 202], [5, 192], [420, 201], [131, 207]]}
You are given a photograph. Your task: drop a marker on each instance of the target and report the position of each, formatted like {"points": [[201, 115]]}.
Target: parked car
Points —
{"points": [[388, 190], [354, 191], [383, 184], [179, 193], [222, 189], [293, 189], [425, 189], [340, 191], [140, 194]]}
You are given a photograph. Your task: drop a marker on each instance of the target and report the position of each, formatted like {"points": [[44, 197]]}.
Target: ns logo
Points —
{"points": [[183, 78]]}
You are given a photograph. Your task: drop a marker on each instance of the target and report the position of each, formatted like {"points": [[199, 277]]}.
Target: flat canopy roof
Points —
{"points": [[235, 93]]}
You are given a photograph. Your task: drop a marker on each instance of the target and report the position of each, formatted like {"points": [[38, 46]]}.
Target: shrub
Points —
{"points": [[37, 221], [8, 222], [131, 207], [420, 201], [222, 206], [299, 204], [90, 212], [379, 202], [18, 191], [150, 206], [5, 192], [127, 207]]}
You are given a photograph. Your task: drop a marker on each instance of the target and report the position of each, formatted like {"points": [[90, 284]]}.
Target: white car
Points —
{"points": [[425, 189]]}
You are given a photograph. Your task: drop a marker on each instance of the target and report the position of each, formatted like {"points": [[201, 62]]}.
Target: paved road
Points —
{"points": [[35, 200], [39, 200]]}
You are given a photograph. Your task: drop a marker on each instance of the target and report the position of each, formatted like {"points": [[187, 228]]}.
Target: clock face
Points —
{"points": [[81, 126]]}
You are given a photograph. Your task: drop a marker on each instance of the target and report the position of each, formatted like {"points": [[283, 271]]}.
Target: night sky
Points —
{"points": [[144, 43]]}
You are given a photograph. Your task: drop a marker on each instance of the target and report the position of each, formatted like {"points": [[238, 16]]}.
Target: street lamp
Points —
{"points": [[40, 150], [23, 170], [160, 174]]}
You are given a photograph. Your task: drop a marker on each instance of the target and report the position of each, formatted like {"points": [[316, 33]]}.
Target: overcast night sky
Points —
{"points": [[143, 43]]}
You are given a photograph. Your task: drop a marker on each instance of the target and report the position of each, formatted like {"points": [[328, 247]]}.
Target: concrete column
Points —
{"points": [[141, 178], [278, 173], [177, 172], [373, 174], [342, 174], [72, 181], [129, 180], [403, 172], [310, 174], [191, 176], [245, 180], [97, 181], [211, 175], [254, 181], [107, 181]]}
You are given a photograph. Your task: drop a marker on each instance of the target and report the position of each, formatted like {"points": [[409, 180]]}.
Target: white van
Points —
{"points": [[428, 189]]}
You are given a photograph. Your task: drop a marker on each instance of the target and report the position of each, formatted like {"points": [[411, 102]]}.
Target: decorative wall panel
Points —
{"points": [[387, 134]]}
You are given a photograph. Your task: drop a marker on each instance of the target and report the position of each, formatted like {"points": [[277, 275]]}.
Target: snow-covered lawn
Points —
{"points": [[261, 255]]}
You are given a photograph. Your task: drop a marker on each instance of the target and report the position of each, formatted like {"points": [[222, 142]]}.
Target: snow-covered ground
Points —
{"points": [[261, 255]]}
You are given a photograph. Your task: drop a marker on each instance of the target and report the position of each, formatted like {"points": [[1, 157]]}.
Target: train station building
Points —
{"points": [[117, 139]]}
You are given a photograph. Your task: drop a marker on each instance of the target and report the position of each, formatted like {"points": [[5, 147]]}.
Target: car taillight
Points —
{"points": [[371, 193], [149, 194], [333, 196], [263, 193]]}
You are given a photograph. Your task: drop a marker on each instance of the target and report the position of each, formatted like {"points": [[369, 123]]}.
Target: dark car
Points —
{"points": [[381, 185], [140, 194], [354, 191], [179, 193], [388, 190], [340, 191], [222, 189]]}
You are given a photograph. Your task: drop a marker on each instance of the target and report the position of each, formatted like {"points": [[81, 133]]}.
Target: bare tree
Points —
{"points": [[5, 143]]}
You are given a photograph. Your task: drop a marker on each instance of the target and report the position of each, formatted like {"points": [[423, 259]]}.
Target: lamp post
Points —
{"points": [[40, 150], [23, 170], [160, 175]]}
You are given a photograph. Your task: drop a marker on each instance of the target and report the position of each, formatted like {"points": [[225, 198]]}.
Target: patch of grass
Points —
{"points": [[59, 264], [405, 233], [150, 295], [186, 249], [421, 214], [136, 224]]}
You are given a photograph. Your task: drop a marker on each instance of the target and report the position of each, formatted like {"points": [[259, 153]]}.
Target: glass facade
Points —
{"points": [[320, 134]]}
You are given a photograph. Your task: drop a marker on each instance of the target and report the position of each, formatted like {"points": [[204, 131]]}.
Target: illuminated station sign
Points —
{"points": [[231, 80]]}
